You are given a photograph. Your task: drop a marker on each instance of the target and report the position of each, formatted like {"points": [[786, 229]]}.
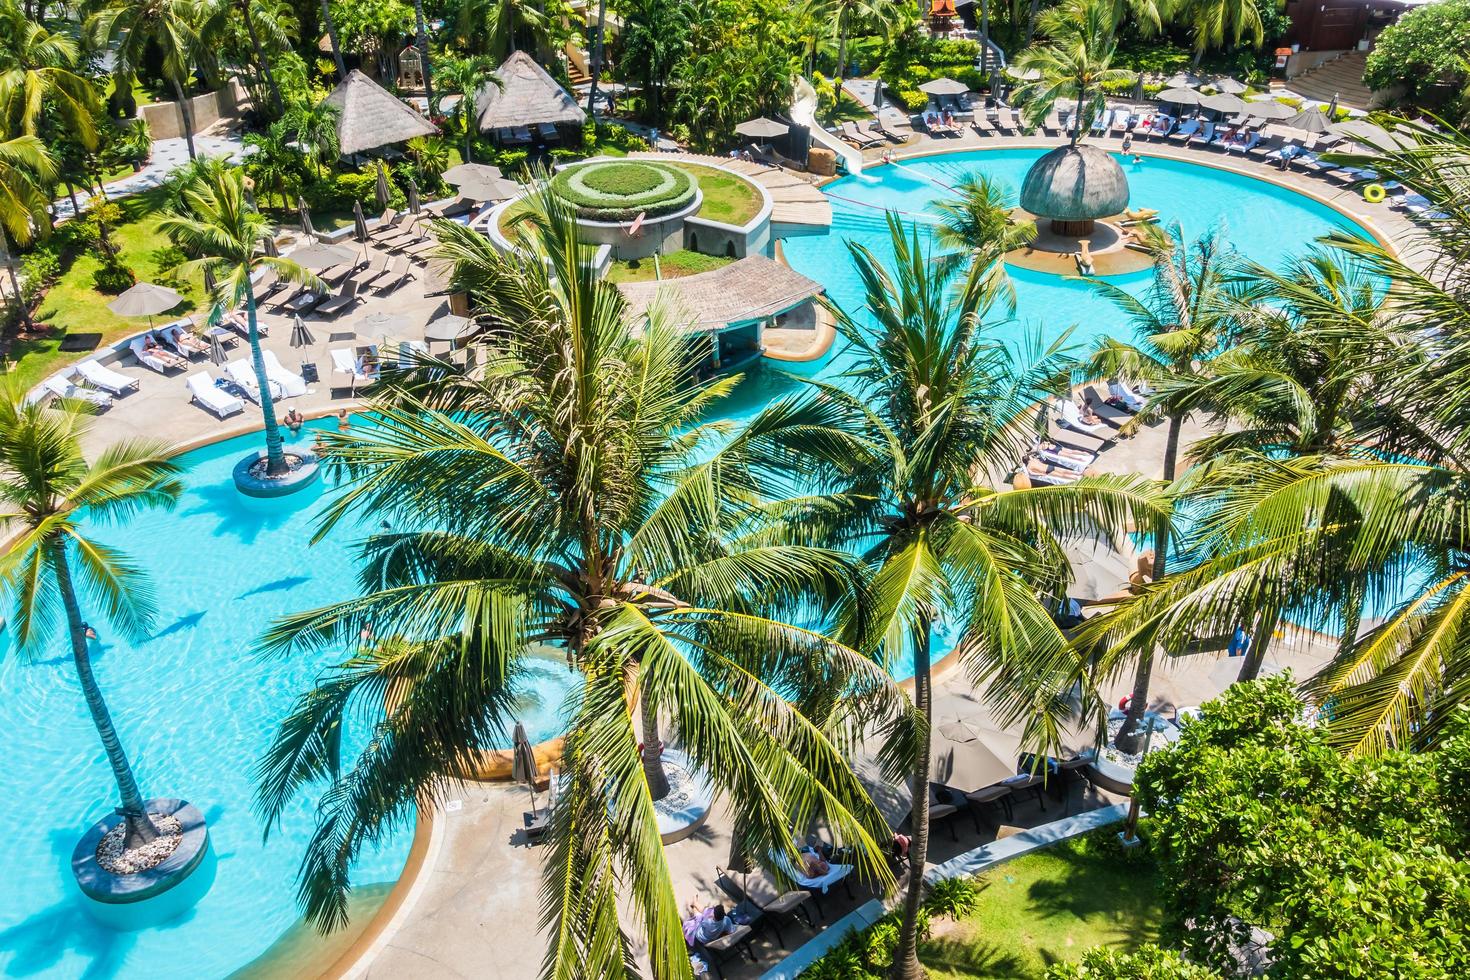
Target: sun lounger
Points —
{"points": [[159, 358], [1205, 134], [857, 138], [1056, 456], [547, 131], [759, 888], [1161, 126], [308, 300], [1124, 397], [345, 299], [237, 322], [345, 361], [1102, 123], [1244, 144], [203, 390], [292, 385], [62, 387], [1144, 125], [420, 252], [1071, 418], [1122, 122], [106, 378], [1052, 476], [397, 270], [177, 336], [409, 354], [286, 300], [981, 125], [267, 284], [243, 374], [1184, 132], [876, 131]]}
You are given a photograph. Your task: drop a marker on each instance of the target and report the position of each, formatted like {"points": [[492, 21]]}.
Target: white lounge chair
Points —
{"points": [[1058, 478], [203, 390], [155, 360], [292, 385], [106, 378], [1244, 145], [62, 387], [1102, 123], [345, 361], [1188, 129], [1130, 399], [1071, 418], [1057, 458], [179, 337], [822, 884]]}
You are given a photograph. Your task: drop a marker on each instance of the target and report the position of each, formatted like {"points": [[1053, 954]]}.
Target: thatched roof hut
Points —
{"points": [[526, 96], [1073, 186], [369, 116]]}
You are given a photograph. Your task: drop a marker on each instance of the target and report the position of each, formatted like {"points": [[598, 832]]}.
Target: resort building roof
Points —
{"points": [[526, 96], [369, 116], [746, 291]]}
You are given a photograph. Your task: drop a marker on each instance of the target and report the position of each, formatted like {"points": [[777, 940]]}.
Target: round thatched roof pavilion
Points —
{"points": [[1074, 186]]}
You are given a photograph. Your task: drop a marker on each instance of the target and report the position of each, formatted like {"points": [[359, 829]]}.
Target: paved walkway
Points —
{"points": [[166, 156]]}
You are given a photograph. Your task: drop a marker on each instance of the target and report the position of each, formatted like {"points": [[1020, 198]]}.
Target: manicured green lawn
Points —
{"points": [[727, 198], [73, 306], [673, 265], [1047, 907]]}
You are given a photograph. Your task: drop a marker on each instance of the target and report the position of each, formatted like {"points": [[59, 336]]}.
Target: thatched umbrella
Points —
{"points": [[1074, 186], [305, 213], [526, 96], [369, 116], [384, 194], [359, 223]]}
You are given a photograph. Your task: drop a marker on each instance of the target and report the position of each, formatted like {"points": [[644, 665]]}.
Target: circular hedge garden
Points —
{"points": [[619, 190]]}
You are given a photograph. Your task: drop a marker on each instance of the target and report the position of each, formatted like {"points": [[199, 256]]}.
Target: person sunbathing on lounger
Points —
{"points": [[1056, 449], [1089, 417], [152, 348], [705, 925], [1040, 467]]}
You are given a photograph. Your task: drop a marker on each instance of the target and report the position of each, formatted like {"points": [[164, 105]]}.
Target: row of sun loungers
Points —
{"points": [[868, 135]]}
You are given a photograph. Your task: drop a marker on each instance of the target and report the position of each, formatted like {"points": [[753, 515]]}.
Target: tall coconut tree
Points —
{"points": [[1075, 63], [1215, 23], [52, 565], [934, 411], [1178, 324], [844, 15], [568, 493], [221, 231], [131, 28], [38, 69], [26, 174], [466, 77]]}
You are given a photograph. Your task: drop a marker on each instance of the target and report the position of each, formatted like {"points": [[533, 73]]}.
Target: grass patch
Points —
{"points": [[1048, 907], [674, 265], [73, 306], [727, 198], [848, 109]]}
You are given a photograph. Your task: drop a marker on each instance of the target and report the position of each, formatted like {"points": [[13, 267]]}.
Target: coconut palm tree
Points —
{"points": [[977, 226], [221, 230], [1215, 23], [491, 26], [843, 14], [466, 77], [313, 128], [37, 70], [26, 172], [170, 27], [935, 410], [1075, 63], [592, 510], [1178, 325], [45, 485]]}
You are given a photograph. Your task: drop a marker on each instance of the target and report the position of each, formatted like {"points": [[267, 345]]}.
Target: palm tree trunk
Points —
{"points": [[1265, 628], [275, 452], [332, 36], [468, 122], [261, 59], [985, 36], [906, 964], [1130, 736], [422, 42], [9, 260], [186, 114], [1031, 23], [596, 65], [141, 828], [841, 62], [653, 749]]}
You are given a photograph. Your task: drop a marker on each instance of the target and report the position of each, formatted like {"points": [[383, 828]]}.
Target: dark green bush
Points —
{"points": [[953, 897], [38, 271], [113, 278]]}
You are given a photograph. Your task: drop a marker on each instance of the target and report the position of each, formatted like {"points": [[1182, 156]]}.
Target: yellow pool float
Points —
{"points": [[1374, 193]]}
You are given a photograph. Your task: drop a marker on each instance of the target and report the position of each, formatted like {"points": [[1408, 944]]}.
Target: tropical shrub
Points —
{"points": [[38, 271], [953, 897], [1357, 864], [1148, 962], [616, 191], [1429, 46], [112, 278], [866, 954]]}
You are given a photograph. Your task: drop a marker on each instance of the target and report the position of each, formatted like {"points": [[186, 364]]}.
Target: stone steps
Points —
{"points": [[1342, 77]]}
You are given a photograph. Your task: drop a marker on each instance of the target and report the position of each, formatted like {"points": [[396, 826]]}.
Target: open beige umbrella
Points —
{"points": [[961, 758], [1229, 86], [761, 128], [1309, 121], [319, 255], [1179, 96], [464, 172], [944, 86], [492, 189], [145, 299], [1226, 104], [1270, 110]]}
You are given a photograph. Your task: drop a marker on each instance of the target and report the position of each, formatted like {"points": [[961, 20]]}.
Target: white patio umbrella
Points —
{"points": [[762, 128], [959, 757], [944, 86]]}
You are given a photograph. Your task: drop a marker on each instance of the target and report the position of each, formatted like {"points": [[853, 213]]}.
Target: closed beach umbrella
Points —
{"points": [[1179, 96], [209, 283], [413, 196], [319, 255], [523, 762], [382, 187], [1137, 87], [1332, 106], [359, 223], [762, 128], [300, 336], [944, 86], [268, 246], [145, 299], [457, 175], [305, 214], [216, 349]]}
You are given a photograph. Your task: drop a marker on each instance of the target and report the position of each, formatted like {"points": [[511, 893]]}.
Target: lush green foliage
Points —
{"points": [[1358, 866], [1148, 962], [1428, 48], [617, 191]]}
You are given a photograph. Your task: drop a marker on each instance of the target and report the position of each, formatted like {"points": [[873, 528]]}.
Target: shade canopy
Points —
{"points": [[463, 172], [145, 299], [369, 116], [319, 255], [1099, 569], [450, 328], [1270, 110], [1227, 104], [965, 762], [382, 325], [1075, 183], [762, 128], [1183, 79], [1309, 121], [526, 96], [1179, 96], [1365, 132], [944, 86], [1229, 86], [490, 189]]}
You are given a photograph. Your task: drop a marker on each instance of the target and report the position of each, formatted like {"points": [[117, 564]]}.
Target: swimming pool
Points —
{"points": [[196, 711]]}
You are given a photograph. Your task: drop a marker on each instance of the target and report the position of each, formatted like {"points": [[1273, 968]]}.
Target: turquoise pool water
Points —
{"points": [[196, 711]]}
